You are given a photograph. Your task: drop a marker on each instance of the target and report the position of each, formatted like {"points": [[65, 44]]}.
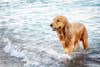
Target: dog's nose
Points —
{"points": [[59, 27], [51, 25]]}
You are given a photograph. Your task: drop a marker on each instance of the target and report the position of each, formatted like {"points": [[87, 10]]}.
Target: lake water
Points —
{"points": [[26, 34]]}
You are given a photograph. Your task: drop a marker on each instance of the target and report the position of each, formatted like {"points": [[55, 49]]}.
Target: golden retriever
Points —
{"points": [[70, 33]]}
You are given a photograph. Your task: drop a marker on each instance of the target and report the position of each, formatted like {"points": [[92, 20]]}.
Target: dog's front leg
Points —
{"points": [[69, 48], [64, 46]]}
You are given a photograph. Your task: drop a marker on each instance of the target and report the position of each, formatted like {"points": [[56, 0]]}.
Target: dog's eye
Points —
{"points": [[58, 20]]}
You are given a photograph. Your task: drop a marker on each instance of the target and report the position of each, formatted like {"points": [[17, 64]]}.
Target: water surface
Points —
{"points": [[25, 31]]}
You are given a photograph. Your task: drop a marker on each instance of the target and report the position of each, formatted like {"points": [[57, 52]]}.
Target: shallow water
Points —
{"points": [[25, 31]]}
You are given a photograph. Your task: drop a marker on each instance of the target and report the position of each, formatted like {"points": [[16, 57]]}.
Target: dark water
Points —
{"points": [[25, 32]]}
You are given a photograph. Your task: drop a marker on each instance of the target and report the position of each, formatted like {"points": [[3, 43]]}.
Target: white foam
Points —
{"points": [[57, 55]]}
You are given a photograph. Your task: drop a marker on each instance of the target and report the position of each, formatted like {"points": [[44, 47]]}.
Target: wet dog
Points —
{"points": [[70, 33]]}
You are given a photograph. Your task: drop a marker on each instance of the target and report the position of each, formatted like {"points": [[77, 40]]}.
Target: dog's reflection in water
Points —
{"points": [[77, 61]]}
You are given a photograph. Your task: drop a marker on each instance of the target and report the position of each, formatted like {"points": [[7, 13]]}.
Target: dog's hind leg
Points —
{"points": [[85, 39]]}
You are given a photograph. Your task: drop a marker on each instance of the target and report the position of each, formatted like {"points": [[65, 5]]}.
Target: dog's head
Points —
{"points": [[59, 22]]}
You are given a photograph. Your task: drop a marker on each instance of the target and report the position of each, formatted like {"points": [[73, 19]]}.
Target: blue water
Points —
{"points": [[25, 30]]}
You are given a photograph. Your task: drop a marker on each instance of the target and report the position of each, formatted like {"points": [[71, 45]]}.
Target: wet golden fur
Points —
{"points": [[70, 33]]}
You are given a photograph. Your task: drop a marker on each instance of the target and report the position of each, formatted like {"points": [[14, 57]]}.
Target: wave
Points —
{"points": [[35, 56]]}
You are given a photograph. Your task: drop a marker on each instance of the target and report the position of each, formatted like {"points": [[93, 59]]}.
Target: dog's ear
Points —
{"points": [[66, 22], [66, 26], [67, 31]]}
